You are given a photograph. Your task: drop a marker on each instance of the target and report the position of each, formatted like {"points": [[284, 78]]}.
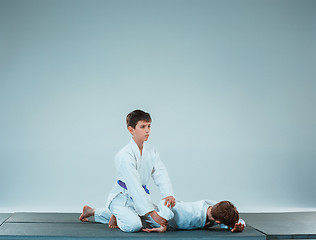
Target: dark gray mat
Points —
{"points": [[283, 225], [4, 216], [97, 231], [24, 217]]}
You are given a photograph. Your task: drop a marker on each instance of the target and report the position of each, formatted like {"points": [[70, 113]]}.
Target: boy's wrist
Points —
{"points": [[152, 212]]}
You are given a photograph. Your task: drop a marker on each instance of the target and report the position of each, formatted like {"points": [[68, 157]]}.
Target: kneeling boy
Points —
{"points": [[129, 199]]}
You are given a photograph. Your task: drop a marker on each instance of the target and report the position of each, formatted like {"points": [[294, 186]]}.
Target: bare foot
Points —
{"points": [[86, 212], [112, 222], [160, 229]]}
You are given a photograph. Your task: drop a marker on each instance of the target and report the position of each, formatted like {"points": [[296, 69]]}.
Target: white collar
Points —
{"points": [[135, 148]]}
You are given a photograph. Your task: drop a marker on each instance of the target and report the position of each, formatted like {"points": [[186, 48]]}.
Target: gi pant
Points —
{"points": [[122, 207]]}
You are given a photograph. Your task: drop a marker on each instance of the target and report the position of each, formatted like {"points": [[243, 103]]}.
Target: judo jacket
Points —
{"points": [[135, 171]]}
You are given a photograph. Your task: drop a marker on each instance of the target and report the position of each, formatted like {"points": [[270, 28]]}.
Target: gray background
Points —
{"points": [[230, 86]]}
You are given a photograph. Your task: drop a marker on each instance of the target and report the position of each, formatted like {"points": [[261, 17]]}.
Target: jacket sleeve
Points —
{"points": [[226, 227], [242, 221], [127, 167], [161, 177]]}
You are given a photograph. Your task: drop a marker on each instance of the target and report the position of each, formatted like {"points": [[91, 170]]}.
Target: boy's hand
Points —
{"points": [[170, 200], [161, 221], [239, 227]]}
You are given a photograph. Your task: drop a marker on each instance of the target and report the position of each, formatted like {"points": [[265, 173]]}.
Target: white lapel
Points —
{"points": [[136, 152]]}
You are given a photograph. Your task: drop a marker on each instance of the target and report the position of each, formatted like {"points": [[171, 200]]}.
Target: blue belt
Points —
{"points": [[123, 185]]}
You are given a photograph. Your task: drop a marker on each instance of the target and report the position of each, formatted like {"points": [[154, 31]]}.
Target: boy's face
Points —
{"points": [[141, 131]]}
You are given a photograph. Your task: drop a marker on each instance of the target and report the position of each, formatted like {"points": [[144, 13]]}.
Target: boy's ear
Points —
{"points": [[131, 129]]}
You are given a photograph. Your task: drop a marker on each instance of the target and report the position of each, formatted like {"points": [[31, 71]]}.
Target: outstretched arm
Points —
{"points": [[239, 227]]}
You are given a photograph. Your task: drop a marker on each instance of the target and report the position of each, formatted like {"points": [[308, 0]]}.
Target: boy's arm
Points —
{"points": [[161, 178], [240, 226]]}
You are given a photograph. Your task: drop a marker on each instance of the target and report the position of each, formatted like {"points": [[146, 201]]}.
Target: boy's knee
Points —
{"points": [[131, 227]]}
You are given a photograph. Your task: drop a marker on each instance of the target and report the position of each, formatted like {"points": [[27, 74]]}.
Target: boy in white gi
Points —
{"points": [[129, 200], [200, 214]]}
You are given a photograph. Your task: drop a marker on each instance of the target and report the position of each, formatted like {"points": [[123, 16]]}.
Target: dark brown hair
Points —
{"points": [[137, 115], [226, 213]]}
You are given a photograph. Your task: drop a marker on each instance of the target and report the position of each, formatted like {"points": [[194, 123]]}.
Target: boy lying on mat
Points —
{"points": [[202, 214], [198, 215]]}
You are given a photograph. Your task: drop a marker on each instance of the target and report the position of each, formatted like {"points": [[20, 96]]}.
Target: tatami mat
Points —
{"points": [[283, 225], [67, 226]]}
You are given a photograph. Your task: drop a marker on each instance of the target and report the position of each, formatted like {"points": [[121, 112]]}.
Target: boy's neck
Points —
{"points": [[209, 217], [140, 145]]}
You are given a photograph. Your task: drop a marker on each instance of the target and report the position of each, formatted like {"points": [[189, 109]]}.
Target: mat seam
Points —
{"points": [[6, 220], [261, 232]]}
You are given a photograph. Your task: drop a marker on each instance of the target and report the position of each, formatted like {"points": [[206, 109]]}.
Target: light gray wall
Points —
{"points": [[230, 86]]}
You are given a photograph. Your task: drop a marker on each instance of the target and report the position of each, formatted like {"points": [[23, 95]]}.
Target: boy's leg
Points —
{"points": [[86, 212], [112, 222], [127, 218], [102, 215]]}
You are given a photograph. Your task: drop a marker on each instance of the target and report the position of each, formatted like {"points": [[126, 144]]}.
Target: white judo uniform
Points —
{"points": [[131, 206], [189, 215], [184, 215]]}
